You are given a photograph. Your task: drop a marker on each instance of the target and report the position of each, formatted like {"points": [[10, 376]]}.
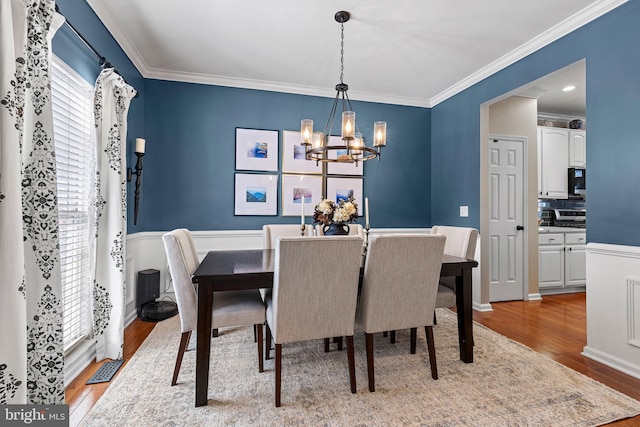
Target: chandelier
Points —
{"points": [[353, 148]]}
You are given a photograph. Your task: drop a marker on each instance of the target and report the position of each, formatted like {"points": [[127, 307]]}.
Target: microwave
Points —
{"points": [[577, 181]]}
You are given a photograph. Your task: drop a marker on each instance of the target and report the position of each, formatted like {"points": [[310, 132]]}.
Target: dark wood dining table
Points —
{"points": [[253, 269]]}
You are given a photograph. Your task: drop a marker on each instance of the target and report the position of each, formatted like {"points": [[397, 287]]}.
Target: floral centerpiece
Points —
{"points": [[335, 216]]}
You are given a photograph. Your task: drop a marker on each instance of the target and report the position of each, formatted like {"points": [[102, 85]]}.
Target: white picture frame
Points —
{"points": [[256, 194], [293, 186], [257, 150], [293, 155], [337, 168], [342, 187]]}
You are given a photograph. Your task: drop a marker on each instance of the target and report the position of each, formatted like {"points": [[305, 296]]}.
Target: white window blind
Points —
{"points": [[72, 99]]}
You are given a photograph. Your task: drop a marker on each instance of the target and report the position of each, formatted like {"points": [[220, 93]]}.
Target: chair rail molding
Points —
{"points": [[613, 306]]}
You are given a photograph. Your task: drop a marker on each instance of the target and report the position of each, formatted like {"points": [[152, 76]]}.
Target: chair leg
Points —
{"points": [[326, 345], [352, 363], [258, 329], [393, 337], [267, 347], [214, 333], [339, 341], [255, 329], [385, 333], [414, 333], [372, 380], [184, 342], [278, 373], [435, 321], [432, 352]]}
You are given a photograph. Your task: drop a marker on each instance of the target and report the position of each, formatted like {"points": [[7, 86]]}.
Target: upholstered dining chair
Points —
{"points": [[354, 230], [270, 232], [399, 290], [315, 289], [230, 308], [461, 242]]}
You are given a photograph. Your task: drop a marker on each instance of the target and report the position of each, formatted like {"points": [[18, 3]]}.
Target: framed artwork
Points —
{"points": [[293, 155], [342, 168], [256, 150], [343, 188], [256, 194], [299, 188]]}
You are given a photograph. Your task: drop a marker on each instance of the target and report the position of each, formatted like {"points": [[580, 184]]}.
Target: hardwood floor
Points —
{"points": [[555, 326]]}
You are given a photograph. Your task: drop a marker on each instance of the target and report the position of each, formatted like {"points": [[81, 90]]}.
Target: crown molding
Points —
{"points": [[208, 79], [583, 17]]}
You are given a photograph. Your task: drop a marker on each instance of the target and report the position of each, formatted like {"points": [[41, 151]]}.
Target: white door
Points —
{"points": [[506, 220]]}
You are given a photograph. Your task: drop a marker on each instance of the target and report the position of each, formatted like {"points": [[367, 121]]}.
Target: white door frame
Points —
{"points": [[525, 211]]}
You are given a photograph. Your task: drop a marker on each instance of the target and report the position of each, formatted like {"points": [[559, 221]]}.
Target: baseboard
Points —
{"points": [[612, 361], [482, 307], [534, 297]]}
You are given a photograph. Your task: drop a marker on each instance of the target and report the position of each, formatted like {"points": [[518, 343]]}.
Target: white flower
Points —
{"points": [[341, 215], [325, 207]]}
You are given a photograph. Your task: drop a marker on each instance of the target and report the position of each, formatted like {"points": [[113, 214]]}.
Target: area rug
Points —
{"points": [[507, 385]]}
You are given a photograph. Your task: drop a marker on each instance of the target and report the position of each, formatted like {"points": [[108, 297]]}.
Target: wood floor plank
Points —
{"points": [[555, 326]]}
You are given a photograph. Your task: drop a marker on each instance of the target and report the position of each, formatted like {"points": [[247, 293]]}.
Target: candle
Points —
{"points": [[366, 210], [140, 145], [302, 210]]}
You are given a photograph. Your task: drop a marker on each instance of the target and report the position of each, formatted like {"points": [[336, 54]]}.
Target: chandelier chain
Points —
{"points": [[341, 52]]}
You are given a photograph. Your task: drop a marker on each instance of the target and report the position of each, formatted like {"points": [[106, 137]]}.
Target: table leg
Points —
{"points": [[464, 296], [203, 349]]}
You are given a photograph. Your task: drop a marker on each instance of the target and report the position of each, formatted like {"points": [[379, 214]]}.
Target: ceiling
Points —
{"points": [[409, 52]]}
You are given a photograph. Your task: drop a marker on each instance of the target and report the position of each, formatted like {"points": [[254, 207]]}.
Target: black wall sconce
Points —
{"points": [[140, 142]]}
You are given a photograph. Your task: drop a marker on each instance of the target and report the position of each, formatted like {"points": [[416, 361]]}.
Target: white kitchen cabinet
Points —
{"points": [[551, 260], [575, 260], [562, 260], [553, 149], [577, 149]]}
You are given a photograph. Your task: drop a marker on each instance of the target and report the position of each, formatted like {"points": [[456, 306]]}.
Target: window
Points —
{"points": [[72, 99]]}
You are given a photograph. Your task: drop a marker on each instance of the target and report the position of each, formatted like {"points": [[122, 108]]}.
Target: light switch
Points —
{"points": [[464, 211]]}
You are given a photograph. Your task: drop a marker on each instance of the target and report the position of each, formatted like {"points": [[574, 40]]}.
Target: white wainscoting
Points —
{"points": [[613, 306]]}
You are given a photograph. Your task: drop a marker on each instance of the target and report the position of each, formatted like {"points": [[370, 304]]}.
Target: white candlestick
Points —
{"points": [[366, 210], [302, 210], [140, 145]]}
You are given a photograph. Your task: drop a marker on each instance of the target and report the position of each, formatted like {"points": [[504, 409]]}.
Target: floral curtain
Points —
{"points": [[31, 354], [111, 104]]}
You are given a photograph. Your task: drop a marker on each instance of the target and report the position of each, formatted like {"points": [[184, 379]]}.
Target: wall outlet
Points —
{"points": [[464, 211]]}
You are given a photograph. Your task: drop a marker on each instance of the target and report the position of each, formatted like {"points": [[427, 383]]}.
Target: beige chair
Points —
{"points": [[403, 296], [270, 232], [315, 289], [232, 308], [461, 242], [354, 230]]}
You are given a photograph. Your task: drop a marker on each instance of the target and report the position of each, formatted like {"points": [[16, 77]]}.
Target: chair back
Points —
{"points": [[183, 261], [400, 281], [461, 241], [354, 230], [315, 287], [270, 232]]}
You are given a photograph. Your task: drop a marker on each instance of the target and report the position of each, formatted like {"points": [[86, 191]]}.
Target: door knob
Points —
{"points": [[519, 227]]}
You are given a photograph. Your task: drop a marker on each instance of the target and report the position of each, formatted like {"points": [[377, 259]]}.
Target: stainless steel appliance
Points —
{"points": [[577, 181], [570, 218]]}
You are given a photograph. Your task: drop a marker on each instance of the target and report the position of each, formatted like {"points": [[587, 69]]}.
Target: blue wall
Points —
{"points": [[190, 161], [188, 175], [610, 46]]}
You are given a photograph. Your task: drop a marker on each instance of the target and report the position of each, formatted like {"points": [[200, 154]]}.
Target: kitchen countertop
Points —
{"points": [[561, 230]]}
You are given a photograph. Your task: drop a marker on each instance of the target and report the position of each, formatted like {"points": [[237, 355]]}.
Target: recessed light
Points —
{"points": [[568, 88]]}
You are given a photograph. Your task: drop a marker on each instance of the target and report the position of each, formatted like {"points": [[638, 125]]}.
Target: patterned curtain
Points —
{"points": [[31, 354], [111, 105]]}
